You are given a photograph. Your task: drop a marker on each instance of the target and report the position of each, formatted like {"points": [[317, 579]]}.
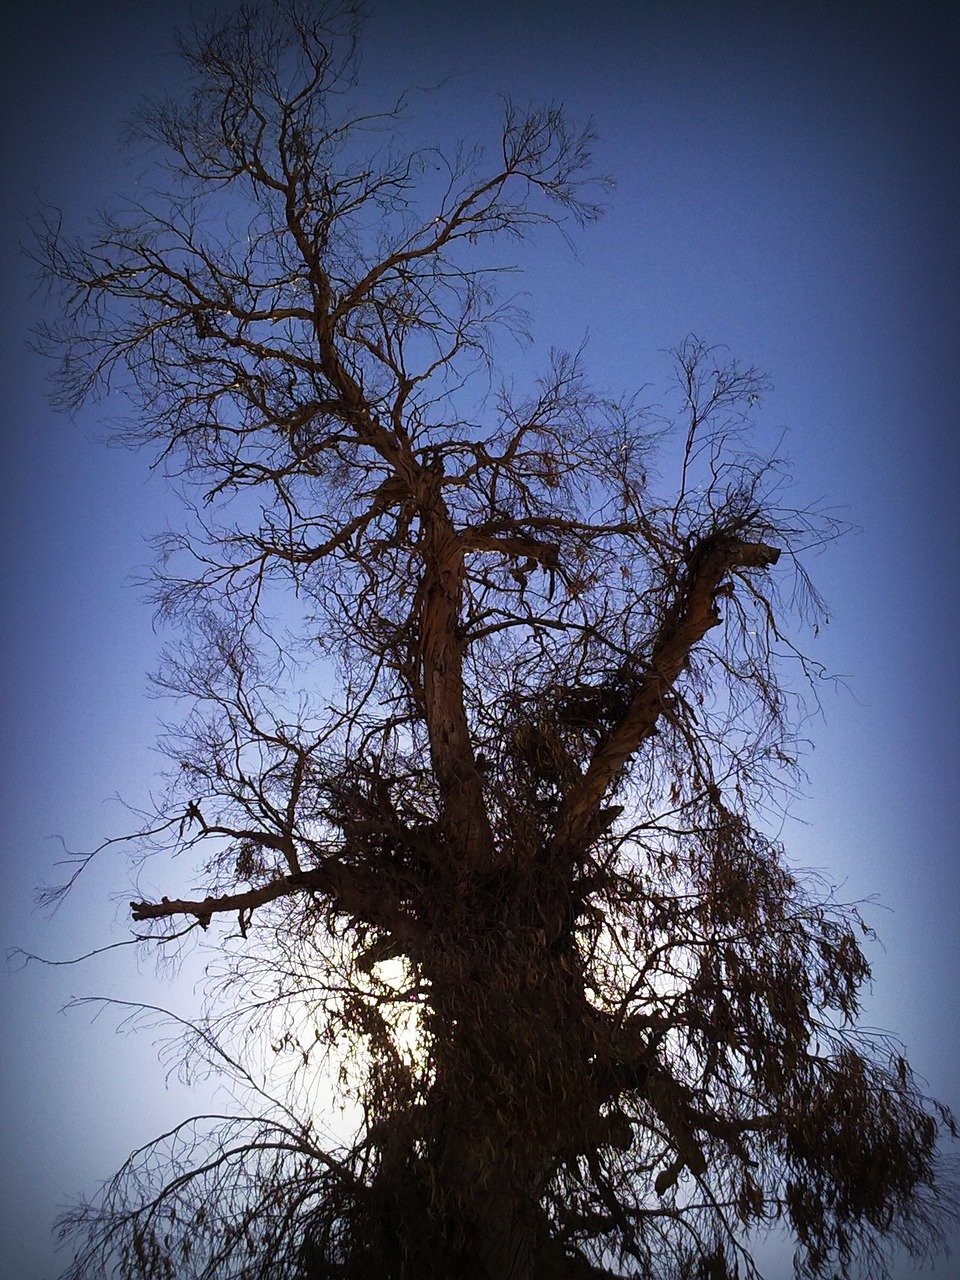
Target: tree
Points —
{"points": [[485, 727]]}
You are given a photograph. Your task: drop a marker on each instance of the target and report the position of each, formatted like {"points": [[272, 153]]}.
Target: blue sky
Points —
{"points": [[787, 184]]}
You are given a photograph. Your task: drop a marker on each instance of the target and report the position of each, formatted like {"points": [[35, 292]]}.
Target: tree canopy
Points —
{"points": [[492, 695]]}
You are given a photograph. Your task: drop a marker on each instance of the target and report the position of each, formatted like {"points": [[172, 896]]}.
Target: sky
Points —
{"points": [[786, 184]]}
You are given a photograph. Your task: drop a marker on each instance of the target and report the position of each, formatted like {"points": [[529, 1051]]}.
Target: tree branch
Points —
{"points": [[692, 615], [316, 880]]}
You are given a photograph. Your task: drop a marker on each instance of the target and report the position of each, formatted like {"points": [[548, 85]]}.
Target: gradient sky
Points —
{"points": [[787, 184]]}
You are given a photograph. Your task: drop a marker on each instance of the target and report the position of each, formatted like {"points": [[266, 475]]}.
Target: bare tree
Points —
{"points": [[487, 724]]}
